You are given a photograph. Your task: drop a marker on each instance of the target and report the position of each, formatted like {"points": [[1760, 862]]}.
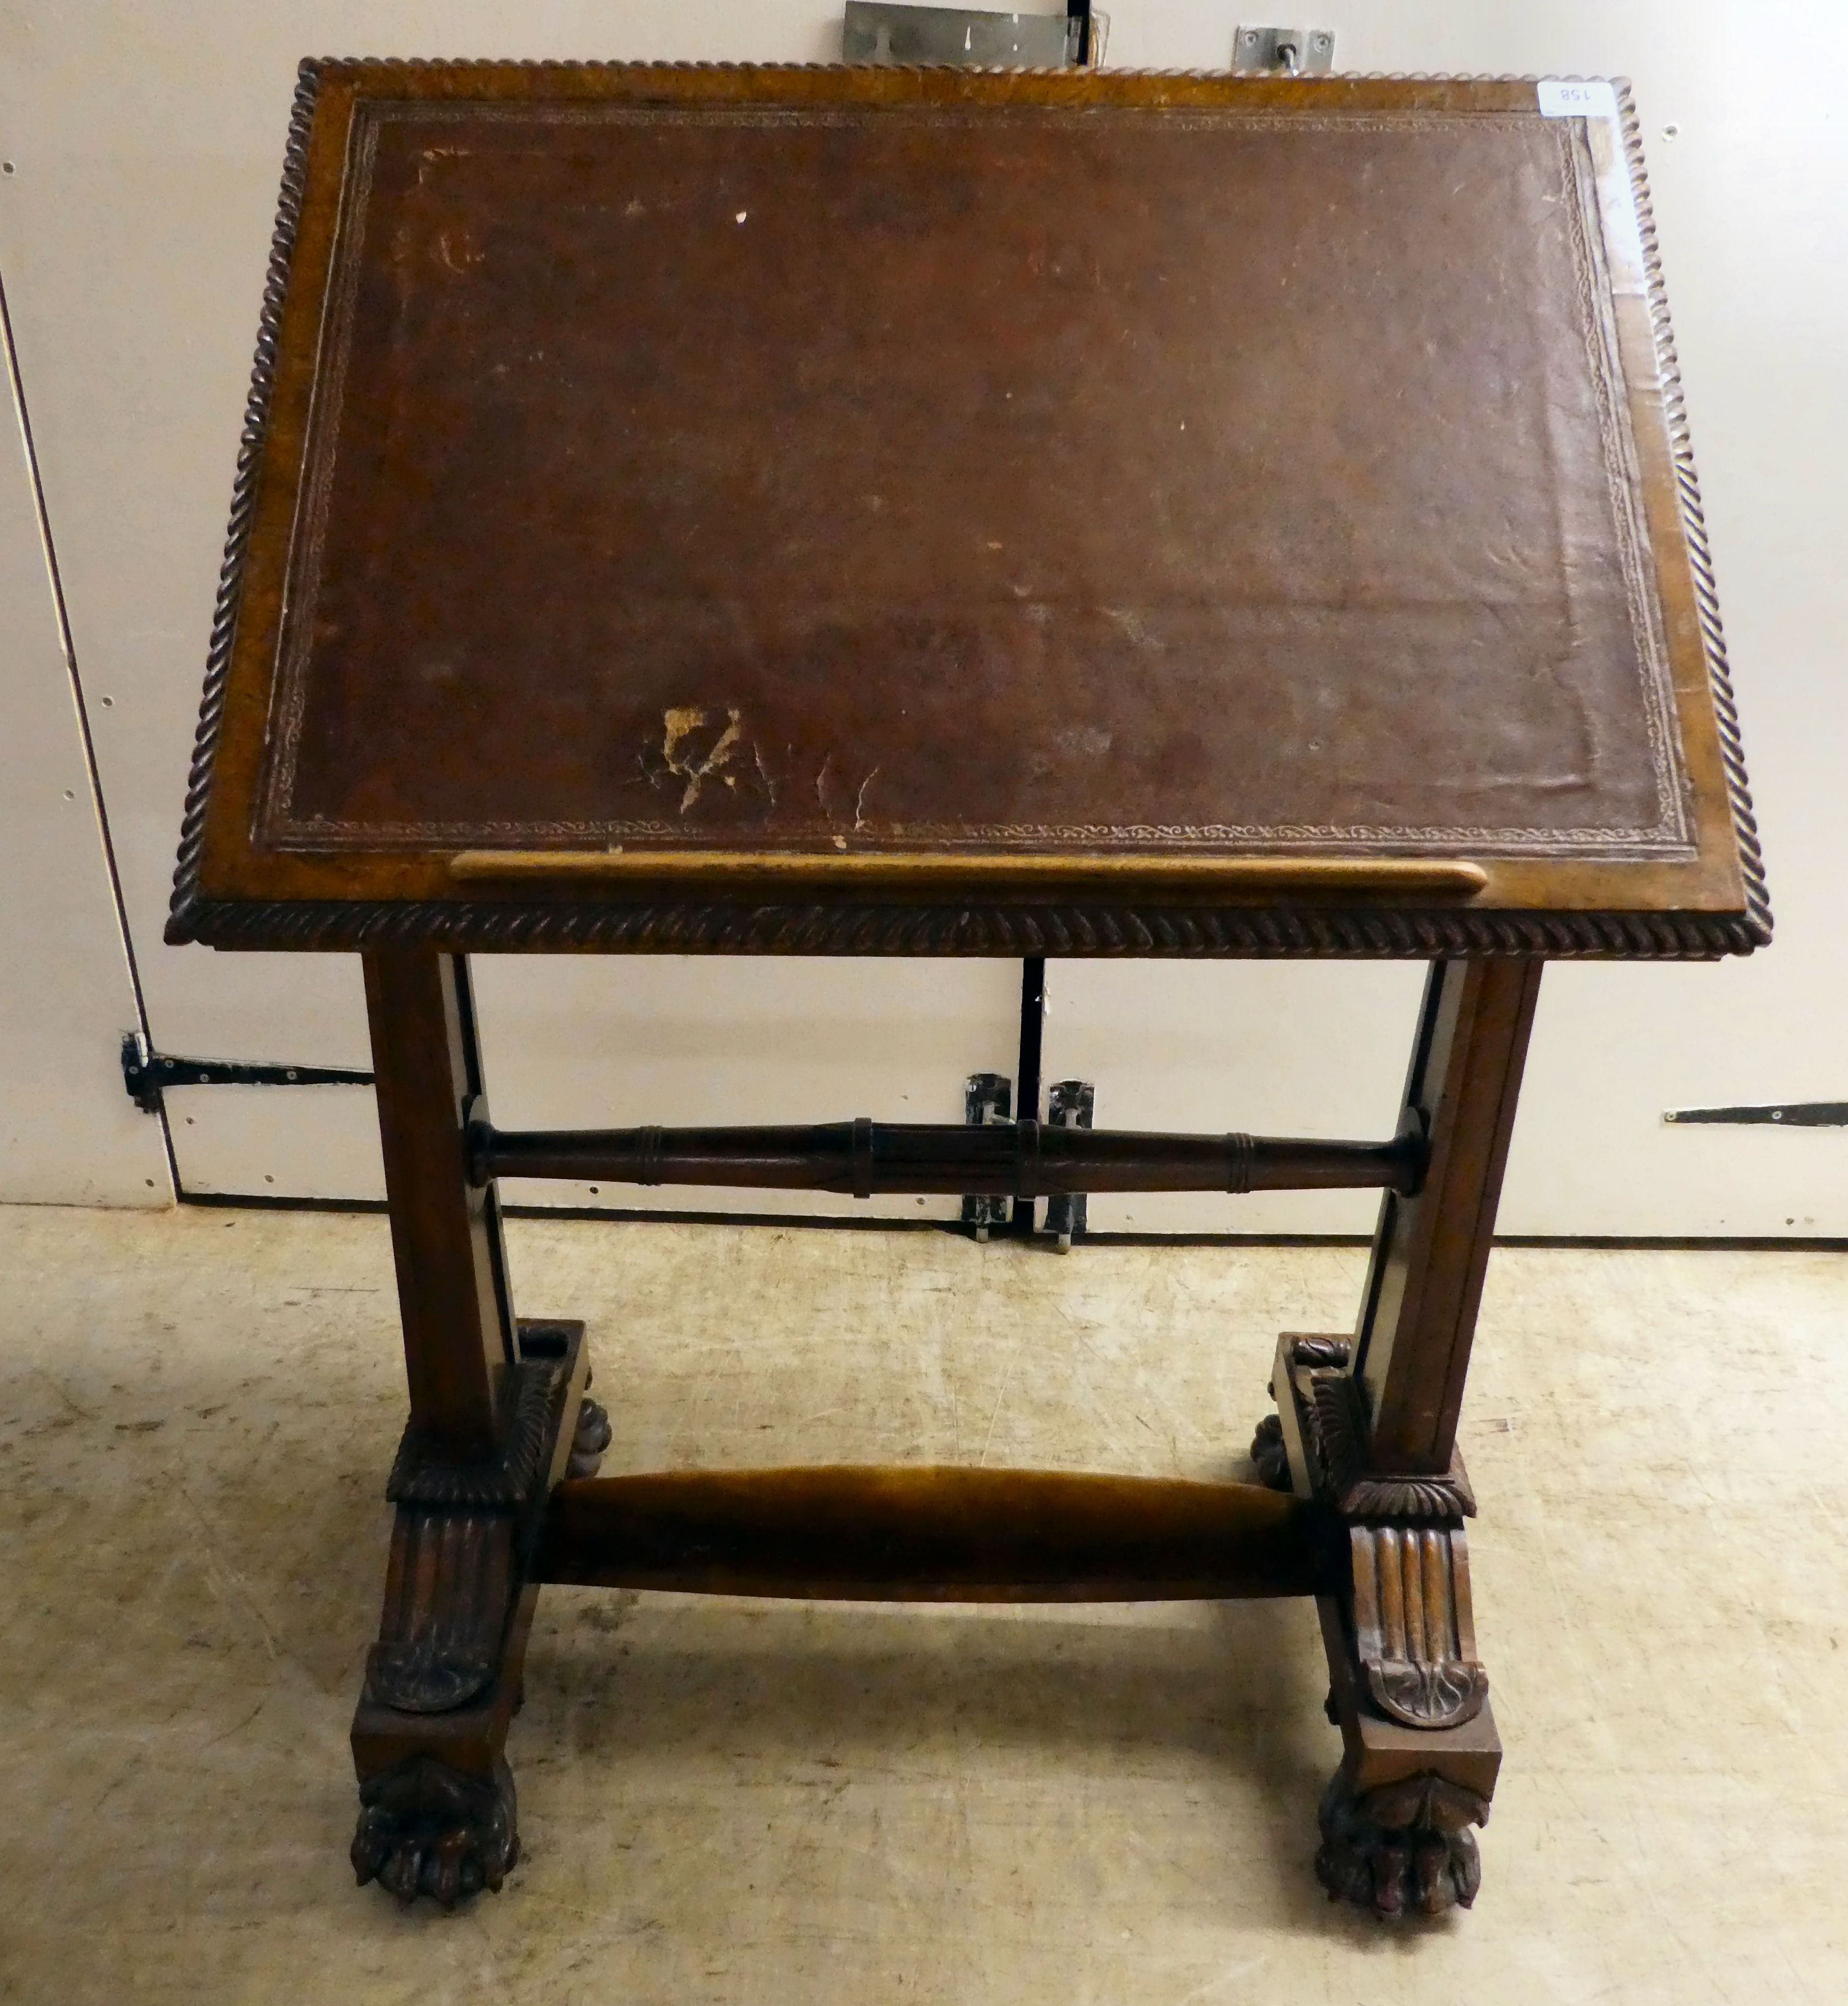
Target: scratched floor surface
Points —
{"points": [[776, 1803]]}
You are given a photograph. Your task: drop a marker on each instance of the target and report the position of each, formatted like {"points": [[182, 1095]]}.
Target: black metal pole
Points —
{"points": [[1026, 1098], [1080, 11]]}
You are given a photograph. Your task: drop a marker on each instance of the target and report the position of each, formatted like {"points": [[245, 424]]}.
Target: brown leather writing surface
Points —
{"points": [[1089, 471]]}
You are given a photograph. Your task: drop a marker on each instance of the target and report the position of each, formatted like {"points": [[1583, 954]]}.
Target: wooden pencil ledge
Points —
{"points": [[1443, 877]]}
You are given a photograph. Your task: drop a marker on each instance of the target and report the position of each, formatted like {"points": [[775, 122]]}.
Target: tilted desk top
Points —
{"points": [[875, 511]]}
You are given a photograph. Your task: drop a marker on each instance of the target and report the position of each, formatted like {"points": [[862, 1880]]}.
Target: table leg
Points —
{"points": [[486, 1439], [445, 1238], [1432, 1250], [1368, 1425]]}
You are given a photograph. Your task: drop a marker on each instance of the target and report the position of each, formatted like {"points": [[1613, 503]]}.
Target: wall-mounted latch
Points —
{"points": [[873, 32], [1070, 1104], [987, 1101], [147, 1074], [1285, 51], [1789, 1113]]}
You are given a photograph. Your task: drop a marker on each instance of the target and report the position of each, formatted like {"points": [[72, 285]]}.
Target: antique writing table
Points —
{"points": [[920, 513]]}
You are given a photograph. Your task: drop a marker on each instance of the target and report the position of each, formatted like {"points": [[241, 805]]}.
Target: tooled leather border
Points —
{"points": [[891, 928]]}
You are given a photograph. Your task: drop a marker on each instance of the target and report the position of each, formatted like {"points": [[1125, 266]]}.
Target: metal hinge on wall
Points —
{"points": [[1791, 1113], [1070, 1104], [987, 1100], [146, 1073]]}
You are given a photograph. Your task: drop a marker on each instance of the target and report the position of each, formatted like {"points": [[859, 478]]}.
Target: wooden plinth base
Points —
{"points": [[1420, 1752], [473, 1544], [437, 1812]]}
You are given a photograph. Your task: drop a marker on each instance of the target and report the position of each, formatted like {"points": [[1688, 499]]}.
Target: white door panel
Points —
{"points": [[616, 1041], [1748, 199], [595, 1041], [68, 1134], [147, 144], [278, 1141], [1264, 1046]]}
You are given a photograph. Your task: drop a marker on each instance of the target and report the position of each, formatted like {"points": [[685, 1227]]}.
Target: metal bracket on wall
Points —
{"points": [[1790, 1113], [1070, 1104], [872, 32], [147, 1074], [1285, 51], [988, 1102]]}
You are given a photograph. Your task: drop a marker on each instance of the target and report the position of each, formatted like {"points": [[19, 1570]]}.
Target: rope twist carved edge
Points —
{"points": [[1694, 523], [244, 495], [685, 928]]}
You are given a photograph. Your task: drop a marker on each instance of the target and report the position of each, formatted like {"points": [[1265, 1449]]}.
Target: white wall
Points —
{"points": [[1748, 197], [68, 1134]]}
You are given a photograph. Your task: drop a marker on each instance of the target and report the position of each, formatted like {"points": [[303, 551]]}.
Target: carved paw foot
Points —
{"points": [[1269, 1453], [1405, 1845], [590, 1440], [425, 1829]]}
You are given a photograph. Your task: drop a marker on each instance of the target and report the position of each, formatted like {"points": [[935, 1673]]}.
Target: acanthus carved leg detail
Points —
{"points": [[426, 1828], [436, 1809], [1404, 1845], [1407, 1690]]}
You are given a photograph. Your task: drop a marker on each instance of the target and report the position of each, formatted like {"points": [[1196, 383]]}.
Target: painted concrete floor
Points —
{"points": [[727, 1801]]}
